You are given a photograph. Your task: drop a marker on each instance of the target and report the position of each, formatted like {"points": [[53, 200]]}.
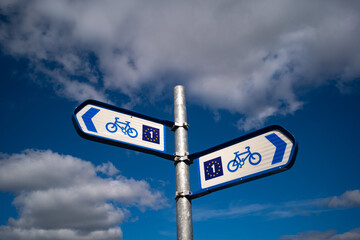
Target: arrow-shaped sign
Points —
{"points": [[108, 124], [256, 155]]}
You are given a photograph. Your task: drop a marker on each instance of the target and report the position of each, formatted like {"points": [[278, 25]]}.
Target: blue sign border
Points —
{"points": [[96, 138], [252, 177]]}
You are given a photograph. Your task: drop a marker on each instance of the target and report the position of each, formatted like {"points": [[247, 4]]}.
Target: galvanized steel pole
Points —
{"points": [[182, 167]]}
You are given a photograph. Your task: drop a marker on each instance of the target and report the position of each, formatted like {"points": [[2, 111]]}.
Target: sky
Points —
{"points": [[245, 65]]}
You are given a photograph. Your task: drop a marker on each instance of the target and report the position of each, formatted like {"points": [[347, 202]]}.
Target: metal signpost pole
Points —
{"points": [[182, 168]]}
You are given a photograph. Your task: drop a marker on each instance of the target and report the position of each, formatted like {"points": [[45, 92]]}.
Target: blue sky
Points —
{"points": [[244, 66]]}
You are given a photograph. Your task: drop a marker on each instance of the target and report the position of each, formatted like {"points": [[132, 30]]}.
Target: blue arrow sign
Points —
{"points": [[259, 154], [108, 124], [87, 119], [280, 147]]}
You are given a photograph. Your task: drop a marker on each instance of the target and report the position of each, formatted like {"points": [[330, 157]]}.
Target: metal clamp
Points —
{"points": [[182, 158], [176, 125], [181, 154], [182, 194]]}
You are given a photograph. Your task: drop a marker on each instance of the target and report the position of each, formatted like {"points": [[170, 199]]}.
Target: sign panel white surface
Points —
{"points": [[104, 123], [262, 153]]}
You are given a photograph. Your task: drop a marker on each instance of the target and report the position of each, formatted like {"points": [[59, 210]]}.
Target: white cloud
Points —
{"points": [[10, 233], [231, 212], [310, 235], [354, 234], [349, 199], [61, 197], [251, 58], [40, 170], [108, 169]]}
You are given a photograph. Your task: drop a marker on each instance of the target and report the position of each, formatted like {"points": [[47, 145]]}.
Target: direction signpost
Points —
{"points": [[262, 153], [259, 154], [108, 124]]}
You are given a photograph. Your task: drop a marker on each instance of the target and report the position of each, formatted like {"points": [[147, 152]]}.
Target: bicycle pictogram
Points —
{"points": [[124, 126], [237, 162]]}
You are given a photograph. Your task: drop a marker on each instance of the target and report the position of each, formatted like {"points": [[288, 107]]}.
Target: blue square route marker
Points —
{"points": [[213, 168]]}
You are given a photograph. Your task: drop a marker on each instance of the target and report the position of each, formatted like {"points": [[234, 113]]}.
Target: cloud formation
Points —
{"points": [[346, 200], [254, 59], [62, 197], [354, 234], [349, 199], [202, 214]]}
